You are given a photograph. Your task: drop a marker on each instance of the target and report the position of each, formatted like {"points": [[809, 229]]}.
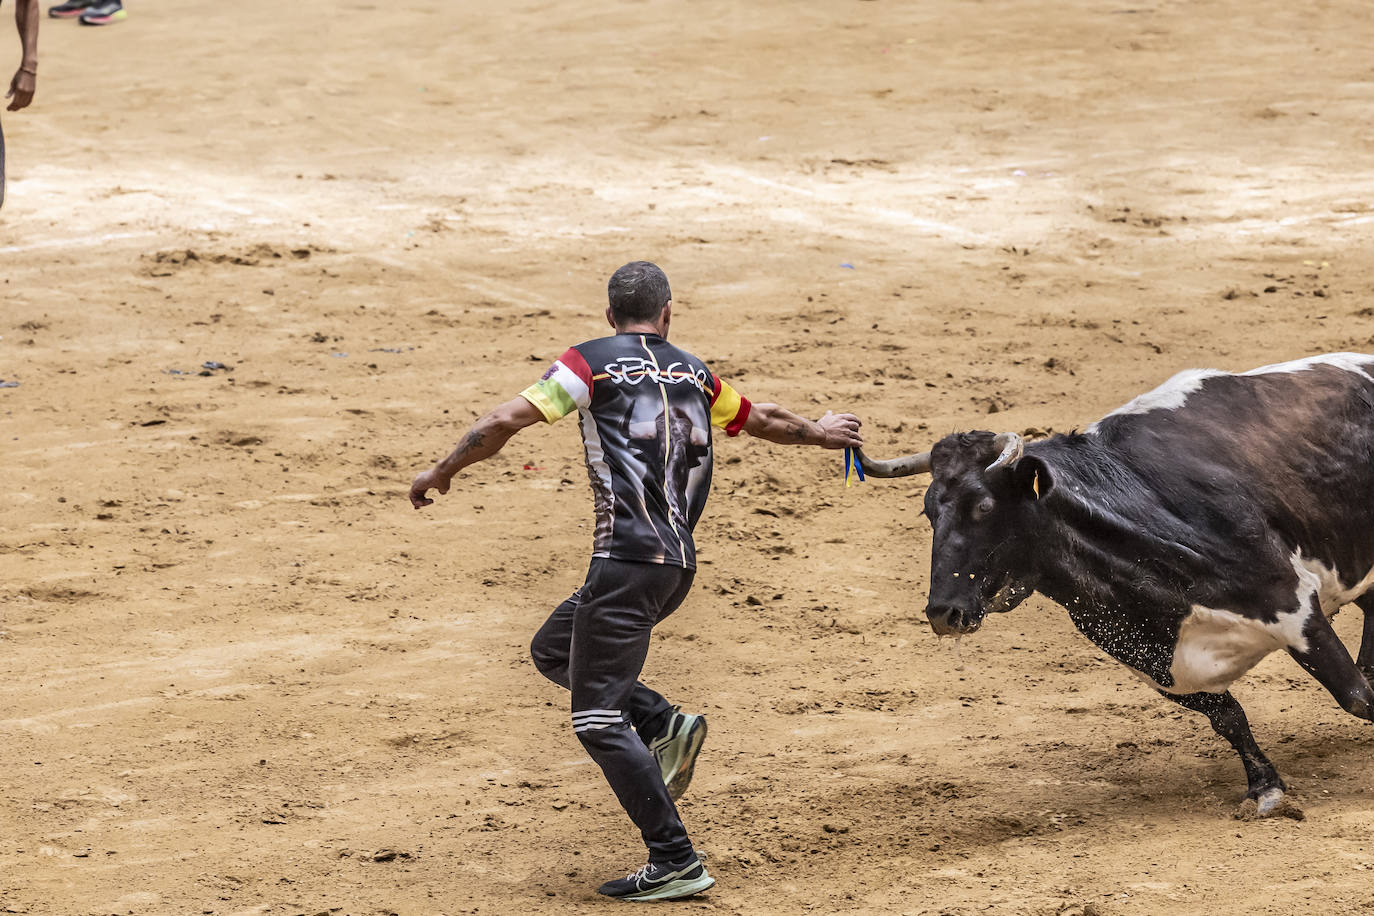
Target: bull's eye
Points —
{"points": [[982, 510]]}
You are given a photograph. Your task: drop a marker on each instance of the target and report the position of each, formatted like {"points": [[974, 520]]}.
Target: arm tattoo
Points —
{"points": [[796, 432], [473, 440]]}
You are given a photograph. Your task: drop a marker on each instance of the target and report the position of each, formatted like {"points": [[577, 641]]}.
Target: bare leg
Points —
{"points": [[1327, 660], [1228, 720], [1365, 660]]}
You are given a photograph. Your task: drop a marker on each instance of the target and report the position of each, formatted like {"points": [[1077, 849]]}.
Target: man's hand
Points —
{"points": [[841, 430], [21, 89], [425, 481]]}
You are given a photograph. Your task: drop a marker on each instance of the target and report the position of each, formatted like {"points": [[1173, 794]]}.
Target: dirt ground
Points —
{"points": [[240, 675]]}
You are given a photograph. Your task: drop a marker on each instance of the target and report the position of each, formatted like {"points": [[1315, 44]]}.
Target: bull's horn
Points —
{"points": [[1011, 446], [897, 467]]}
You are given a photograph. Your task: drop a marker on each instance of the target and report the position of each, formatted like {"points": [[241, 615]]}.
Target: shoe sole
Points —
{"points": [[104, 20], [69, 14], [678, 781], [674, 889]]}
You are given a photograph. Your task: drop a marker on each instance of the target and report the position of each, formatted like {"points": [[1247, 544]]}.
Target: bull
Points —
{"points": [[1189, 533]]}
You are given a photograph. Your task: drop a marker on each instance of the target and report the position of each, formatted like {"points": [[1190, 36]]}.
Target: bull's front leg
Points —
{"points": [[1365, 660], [1327, 660], [1228, 720]]}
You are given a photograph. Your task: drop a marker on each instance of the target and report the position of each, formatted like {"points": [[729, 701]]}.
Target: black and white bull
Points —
{"points": [[1189, 533]]}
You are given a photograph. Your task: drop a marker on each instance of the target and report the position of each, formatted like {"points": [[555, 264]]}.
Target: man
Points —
{"points": [[646, 410], [26, 77]]}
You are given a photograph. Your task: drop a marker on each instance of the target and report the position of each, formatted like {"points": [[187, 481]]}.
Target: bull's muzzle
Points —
{"points": [[947, 620]]}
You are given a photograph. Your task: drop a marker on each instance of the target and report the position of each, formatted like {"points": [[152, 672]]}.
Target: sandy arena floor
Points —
{"points": [[240, 675]]}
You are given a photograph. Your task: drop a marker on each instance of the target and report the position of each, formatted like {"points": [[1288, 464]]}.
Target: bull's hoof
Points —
{"points": [[1271, 803]]}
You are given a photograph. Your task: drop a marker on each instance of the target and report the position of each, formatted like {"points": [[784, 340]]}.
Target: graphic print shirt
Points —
{"points": [[646, 410]]}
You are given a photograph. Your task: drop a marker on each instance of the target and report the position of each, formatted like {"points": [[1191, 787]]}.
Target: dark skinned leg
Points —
{"points": [[1327, 660], [1365, 660], [1228, 720]]}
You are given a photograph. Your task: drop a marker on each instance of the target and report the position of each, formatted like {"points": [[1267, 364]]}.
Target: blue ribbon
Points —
{"points": [[852, 460]]}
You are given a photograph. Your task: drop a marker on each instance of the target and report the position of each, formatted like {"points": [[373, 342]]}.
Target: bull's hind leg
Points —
{"points": [[1327, 660], [1228, 720], [1365, 660]]}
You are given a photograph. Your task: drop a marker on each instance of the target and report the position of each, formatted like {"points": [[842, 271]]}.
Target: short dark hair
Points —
{"points": [[638, 292]]}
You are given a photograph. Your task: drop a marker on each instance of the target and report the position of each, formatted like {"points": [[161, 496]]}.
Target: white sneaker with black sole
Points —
{"points": [[660, 882], [676, 751]]}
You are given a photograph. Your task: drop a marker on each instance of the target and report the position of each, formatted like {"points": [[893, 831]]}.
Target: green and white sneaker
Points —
{"points": [[676, 751], [660, 882]]}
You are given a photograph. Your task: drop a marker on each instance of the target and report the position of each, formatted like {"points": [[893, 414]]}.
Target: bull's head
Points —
{"points": [[980, 503]]}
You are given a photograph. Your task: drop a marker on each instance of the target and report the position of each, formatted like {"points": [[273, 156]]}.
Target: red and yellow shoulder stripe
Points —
{"points": [[729, 409]]}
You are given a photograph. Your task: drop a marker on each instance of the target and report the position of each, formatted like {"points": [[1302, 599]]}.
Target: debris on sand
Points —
{"points": [[168, 262], [207, 369], [1249, 811], [8, 384], [1078, 909]]}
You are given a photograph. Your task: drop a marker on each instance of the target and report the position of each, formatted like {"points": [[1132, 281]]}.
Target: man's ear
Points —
{"points": [[1034, 478], [610, 317]]}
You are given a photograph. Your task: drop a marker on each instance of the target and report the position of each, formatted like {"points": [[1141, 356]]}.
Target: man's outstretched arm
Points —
{"points": [[485, 439], [26, 77], [778, 424]]}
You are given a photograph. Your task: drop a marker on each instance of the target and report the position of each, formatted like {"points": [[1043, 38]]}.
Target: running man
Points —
{"points": [[646, 410], [25, 80]]}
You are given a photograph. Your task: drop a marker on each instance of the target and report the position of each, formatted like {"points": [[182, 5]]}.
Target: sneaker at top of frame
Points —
{"points": [[71, 9], [660, 882], [104, 14], [676, 751]]}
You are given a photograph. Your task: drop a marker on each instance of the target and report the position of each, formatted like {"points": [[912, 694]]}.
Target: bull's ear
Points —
{"points": [[1034, 477]]}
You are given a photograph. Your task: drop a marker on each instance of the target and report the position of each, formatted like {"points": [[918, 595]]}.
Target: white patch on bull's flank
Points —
{"points": [[1331, 594], [1350, 362], [1172, 395], [1216, 647]]}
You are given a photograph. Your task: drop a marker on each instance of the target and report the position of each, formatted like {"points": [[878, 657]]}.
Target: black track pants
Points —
{"points": [[594, 644]]}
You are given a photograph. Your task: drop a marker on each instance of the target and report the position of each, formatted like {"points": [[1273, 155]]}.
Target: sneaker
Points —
{"points": [[71, 9], [104, 13], [661, 882], [676, 751]]}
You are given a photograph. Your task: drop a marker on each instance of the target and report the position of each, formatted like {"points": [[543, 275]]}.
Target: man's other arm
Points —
{"points": [[26, 77], [485, 439], [778, 424]]}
